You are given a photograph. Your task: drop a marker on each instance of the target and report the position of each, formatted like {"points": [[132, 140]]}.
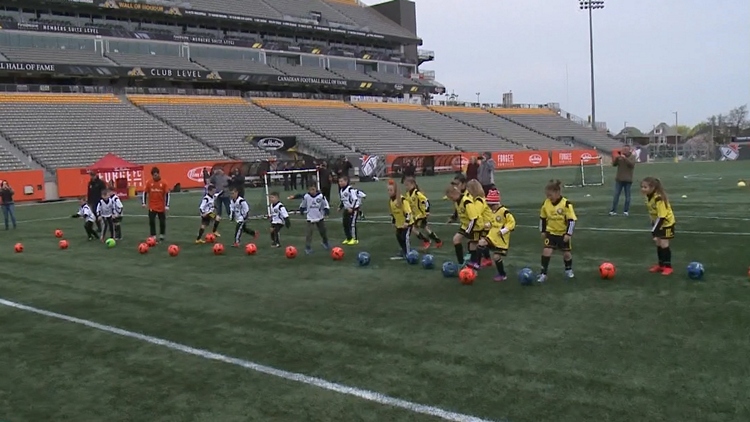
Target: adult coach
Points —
{"points": [[156, 198], [94, 194], [625, 163], [486, 173], [222, 182]]}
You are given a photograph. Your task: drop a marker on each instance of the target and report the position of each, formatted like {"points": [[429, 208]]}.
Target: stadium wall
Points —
{"points": [[28, 184]]}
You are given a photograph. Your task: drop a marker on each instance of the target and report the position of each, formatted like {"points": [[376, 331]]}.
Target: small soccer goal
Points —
{"points": [[281, 180], [589, 173]]}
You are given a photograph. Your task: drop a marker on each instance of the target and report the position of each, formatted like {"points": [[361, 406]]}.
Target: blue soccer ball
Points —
{"points": [[412, 257], [428, 262], [450, 269], [526, 276], [364, 259], [695, 270]]}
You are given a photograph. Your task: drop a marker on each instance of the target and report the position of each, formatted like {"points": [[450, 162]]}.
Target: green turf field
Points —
{"points": [[638, 348]]}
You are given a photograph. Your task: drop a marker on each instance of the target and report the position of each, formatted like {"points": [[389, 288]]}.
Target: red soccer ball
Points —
{"points": [[151, 242], [607, 271], [173, 250], [58, 233], [337, 254], [251, 249], [210, 238], [143, 248], [18, 247], [467, 276], [291, 252], [63, 244], [218, 249]]}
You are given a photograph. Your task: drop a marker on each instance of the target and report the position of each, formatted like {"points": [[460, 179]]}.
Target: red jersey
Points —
{"points": [[156, 195]]}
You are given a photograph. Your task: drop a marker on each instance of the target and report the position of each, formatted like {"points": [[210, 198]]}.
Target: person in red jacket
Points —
{"points": [[156, 198], [472, 169]]}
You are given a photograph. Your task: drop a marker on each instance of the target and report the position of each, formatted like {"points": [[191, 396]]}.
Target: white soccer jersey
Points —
{"points": [[350, 197], [117, 207], [239, 209], [86, 213], [208, 205], [106, 208], [314, 206], [279, 213]]}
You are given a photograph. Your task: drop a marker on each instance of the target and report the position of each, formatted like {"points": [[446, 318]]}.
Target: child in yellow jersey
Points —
{"points": [[401, 218], [662, 222], [466, 217], [557, 221], [498, 237], [420, 208], [481, 258]]}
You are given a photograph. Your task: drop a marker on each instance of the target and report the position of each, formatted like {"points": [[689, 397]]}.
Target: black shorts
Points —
{"points": [[420, 223], [553, 241], [495, 249], [473, 236], [664, 232], [117, 219], [207, 220]]}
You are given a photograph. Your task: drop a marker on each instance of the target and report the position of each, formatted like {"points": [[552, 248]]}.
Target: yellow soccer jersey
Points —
{"points": [[463, 209], [660, 212], [503, 223], [420, 206], [558, 218], [400, 214], [485, 214]]}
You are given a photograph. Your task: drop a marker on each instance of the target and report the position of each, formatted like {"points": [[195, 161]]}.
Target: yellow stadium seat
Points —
{"points": [[526, 111], [294, 102], [449, 109], [184, 100], [44, 98], [391, 106]]}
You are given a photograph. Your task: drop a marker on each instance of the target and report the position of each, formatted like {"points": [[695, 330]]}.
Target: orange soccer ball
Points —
{"points": [[173, 250], [63, 244], [58, 233], [210, 238], [151, 242], [18, 247], [143, 248], [218, 249], [337, 254], [467, 276], [251, 249], [291, 252], [607, 271]]}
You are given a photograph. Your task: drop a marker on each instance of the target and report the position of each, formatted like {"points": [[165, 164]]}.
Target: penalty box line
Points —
{"points": [[256, 367]]}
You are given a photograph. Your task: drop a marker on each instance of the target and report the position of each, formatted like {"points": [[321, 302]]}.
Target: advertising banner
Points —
{"points": [[273, 143], [175, 74], [425, 163], [520, 159], [571, 157], [28, 185]]}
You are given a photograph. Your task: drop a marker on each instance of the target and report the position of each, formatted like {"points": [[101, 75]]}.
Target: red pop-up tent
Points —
{"points": [[123, 173]]}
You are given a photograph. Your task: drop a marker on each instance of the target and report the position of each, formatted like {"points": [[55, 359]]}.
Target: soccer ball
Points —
{"points": [[290, 252], [110, 243], [607, 271], [210, 238], [218, 249], [337, 254], [695, 270], [363, 258], [428, 262], [467, 276], [450, 269], [18, 247], [143, 248], [526, 276], [173, 250], [63, 244], [151, 242], [251, 249], [412, 257], [58, 233]]}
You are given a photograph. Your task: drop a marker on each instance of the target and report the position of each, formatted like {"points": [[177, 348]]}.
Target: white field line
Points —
{"points": [[385, 219], [268, 370]]}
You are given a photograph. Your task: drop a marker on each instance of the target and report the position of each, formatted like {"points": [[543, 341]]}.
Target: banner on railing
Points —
{"points": [[574, 157], [28, 185]]}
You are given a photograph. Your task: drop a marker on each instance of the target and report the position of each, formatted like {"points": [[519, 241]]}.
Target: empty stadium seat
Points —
{"points": [[306, 71], [438, 126], [9, 162], [54, 55], [240, 66], [74, 130], [226, 121], [152, 60], [367, 17], [353, 75], [341, 121], [259, 8]]}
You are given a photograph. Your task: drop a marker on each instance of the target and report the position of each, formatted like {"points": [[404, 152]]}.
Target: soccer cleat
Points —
{"points": [[626, 214], [426, 244], [199, 241], [217, 234], [161, 238], [235, 245], [354, 242], [346, 242], [656, 269], [275, 245], [667, 271], [486, 262], [611, 213], [439, 244], [569, 274], [474, 266], [500, 278], [541, 278], [326, 246], [308, 251]]}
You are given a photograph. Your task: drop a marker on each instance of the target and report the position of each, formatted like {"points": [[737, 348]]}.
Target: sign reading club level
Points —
{"points": [[274, 143]]}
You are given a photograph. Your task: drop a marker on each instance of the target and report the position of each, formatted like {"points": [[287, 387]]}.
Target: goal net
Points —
{"points": [[288, 183], [590, 172]]}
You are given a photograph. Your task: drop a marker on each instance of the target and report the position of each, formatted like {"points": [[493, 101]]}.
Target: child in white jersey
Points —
{"points": [[315, 206], [279, 218], [89, 218], [207, 210]]}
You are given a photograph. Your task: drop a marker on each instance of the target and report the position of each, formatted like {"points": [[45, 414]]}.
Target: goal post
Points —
{"points": [[283, 178], [590, 172]]}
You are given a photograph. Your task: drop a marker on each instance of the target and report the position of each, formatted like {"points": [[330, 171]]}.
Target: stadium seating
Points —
{"points": [[9, 162], [73, 130], [239, 66], [237, 7], [342, 122], [393, 78], [354, 75], [502, 127], [54, 55], [368, 18], [150, 60], [548, 122], [438, 126], [225, 122]]}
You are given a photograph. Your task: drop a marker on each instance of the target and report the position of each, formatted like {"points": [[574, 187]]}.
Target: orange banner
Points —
{"points": [[520, 159], [71, 183], [572, 157], [27, 184]]}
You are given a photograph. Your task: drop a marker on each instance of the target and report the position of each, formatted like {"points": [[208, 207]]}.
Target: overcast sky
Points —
{"points": [[652, 57]]}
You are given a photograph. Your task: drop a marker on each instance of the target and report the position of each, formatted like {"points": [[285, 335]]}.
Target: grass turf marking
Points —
{"points": [[268, 370]]}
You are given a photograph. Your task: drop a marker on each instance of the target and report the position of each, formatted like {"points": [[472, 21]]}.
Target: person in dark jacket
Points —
{"points": [[6, 201], [94, 194], [221, 181], [410, 170], [472, 169], [238, 182], [325, 179]]}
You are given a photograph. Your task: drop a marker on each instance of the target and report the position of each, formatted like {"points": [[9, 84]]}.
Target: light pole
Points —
{"points": [[676, 129], [478, 98], [591, 5]]}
